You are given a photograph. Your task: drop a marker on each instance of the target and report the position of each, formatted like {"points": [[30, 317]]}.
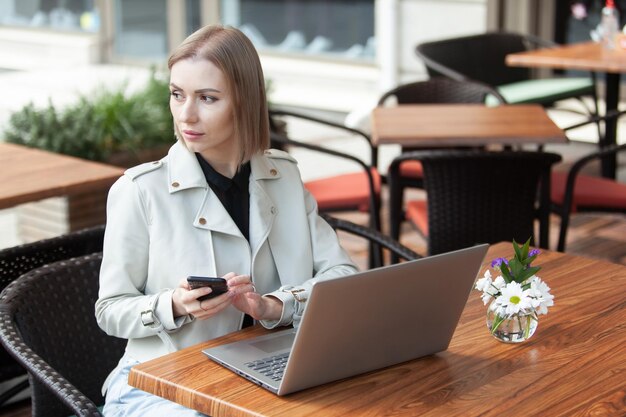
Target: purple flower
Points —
{"points": [[498, 261], [534, 252]]}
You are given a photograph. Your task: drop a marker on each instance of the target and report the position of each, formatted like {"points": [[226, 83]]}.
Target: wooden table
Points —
{"points": [[428, 125], [573, 365], [30, 174], [587, 56]]}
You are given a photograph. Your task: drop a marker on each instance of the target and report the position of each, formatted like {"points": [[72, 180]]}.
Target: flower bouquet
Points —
{"points": [[518, 296]]}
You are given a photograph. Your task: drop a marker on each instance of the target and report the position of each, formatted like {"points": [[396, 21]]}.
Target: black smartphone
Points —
{"points": [[218, 285]]}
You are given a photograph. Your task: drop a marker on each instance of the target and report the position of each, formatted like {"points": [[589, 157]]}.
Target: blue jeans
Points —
{"points": [[122, 400]]}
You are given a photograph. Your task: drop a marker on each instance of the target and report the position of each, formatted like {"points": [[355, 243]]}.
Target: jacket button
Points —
{"points": [[273, 210], [202, 220], [273, 172], [175, 184]]}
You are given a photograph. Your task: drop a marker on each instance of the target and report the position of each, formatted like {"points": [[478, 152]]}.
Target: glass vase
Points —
{"points": [[516, 328]]}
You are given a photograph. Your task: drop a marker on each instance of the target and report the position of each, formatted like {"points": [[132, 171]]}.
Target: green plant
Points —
{"points": [[98, 125]]}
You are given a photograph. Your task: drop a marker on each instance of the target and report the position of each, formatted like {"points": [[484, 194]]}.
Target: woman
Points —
{"points": [[219, 204]]}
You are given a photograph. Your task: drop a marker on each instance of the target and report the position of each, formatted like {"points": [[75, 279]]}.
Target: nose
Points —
{"points": [[188, 112]]}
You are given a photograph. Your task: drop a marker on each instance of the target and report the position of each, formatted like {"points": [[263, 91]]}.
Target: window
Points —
{"points": [[141, 28], [342, 29], [64, 15]]}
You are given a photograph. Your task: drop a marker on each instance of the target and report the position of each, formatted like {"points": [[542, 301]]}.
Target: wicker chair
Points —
{"points": [[476, 197], [18, 260], [396, 248], [482, 58], [47, 324], [437, 90], [573, 191], [355, 191]]}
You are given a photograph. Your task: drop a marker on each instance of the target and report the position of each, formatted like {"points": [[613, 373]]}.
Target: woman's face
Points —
{"points": [[201, 106]]}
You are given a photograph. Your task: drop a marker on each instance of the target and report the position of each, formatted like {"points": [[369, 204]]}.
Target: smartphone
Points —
{"points": [[218, 285]]}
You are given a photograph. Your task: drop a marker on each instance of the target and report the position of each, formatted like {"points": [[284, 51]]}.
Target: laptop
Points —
{"points": [[360, 323]]}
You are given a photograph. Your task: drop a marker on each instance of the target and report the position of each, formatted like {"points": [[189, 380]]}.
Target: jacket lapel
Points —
{"points": [[263, 209], [185, 174]]}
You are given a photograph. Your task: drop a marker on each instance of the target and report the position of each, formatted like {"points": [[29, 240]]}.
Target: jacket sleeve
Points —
{"points": [[124, 272], [329, 260]]}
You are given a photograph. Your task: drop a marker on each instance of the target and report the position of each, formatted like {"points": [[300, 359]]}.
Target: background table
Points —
{"points": [[573, 365], [587, 56], [428, 125], [30, 174]]}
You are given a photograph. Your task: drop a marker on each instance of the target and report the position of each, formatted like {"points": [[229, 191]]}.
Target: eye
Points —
{"points": [[176, 95], [208, 99]]}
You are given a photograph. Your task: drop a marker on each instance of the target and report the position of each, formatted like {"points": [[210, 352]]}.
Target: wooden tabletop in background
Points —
{"points": [[463, 124], [573, 365], [30, 174], [587, 56]]}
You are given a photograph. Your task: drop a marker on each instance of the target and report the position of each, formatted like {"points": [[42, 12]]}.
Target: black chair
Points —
{"points": [[437, 90], [354, 191], [482, 58], [47, 323], [441, 90], [396, 248], [476, 197], [573, 191], [18, 260]]}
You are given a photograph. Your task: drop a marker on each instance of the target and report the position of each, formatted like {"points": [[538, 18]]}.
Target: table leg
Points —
{"points": [[611, 96]]}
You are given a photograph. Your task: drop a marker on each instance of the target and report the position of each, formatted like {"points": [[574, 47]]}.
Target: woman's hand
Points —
{"points": [[246, 299], [185, 301]]}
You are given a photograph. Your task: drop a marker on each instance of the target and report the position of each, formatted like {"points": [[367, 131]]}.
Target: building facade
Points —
{"points": [[330, 54]]}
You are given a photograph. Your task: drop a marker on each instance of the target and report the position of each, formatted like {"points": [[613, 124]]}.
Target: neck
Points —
{"points": [[227, 167]]}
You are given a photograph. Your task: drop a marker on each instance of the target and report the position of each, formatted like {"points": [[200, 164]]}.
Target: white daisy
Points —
{"points": [[513, 299], [541, 297], [499, 282], [483, 283]]}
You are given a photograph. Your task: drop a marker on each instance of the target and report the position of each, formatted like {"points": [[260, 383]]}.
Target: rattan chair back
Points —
{"points": [[48, 325], [478, 57], [440, 90], [481, 197], [18, 260]]}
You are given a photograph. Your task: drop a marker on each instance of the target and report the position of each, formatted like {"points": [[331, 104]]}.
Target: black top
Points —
{"points": [[233, 193]]}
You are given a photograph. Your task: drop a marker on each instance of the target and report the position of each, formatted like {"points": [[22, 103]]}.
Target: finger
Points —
{"points": [[208, 308], [242, 289], [239, 280], [184, 284], [198, 292], [229, 275]]}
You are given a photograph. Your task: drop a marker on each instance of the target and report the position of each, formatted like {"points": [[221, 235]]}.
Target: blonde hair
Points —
{"points": [[233, 53]]}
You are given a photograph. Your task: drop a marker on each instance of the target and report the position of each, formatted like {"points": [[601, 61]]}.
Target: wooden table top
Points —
{"points": [[30, 174], [587, 56], [573, 365], [463, 124]]}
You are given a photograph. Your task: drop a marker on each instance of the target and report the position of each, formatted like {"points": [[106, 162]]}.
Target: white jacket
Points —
{"points": [[164, 223]]}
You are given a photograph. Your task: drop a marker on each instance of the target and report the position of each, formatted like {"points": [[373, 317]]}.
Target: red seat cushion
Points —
{"points": [[590, 191], [411, 169], [343, 192], [417, 213]]}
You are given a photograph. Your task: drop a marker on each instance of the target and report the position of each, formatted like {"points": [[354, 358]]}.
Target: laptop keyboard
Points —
{"points": [[272, 367]]}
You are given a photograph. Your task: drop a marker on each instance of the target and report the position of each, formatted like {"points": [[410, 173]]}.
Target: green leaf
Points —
{"points": [[518, 252], [525, 249], [506, 274], [527, 273]]}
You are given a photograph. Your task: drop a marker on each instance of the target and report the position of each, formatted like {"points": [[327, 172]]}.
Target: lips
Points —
{"points": [[192, 135]]}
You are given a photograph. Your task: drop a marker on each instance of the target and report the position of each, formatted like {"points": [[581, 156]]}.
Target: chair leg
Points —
{"points": [[395, 214], [565, 215], [375, 250]]}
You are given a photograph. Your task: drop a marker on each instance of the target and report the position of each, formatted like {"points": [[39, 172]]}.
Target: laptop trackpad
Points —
{"points": [[275, 344]]}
